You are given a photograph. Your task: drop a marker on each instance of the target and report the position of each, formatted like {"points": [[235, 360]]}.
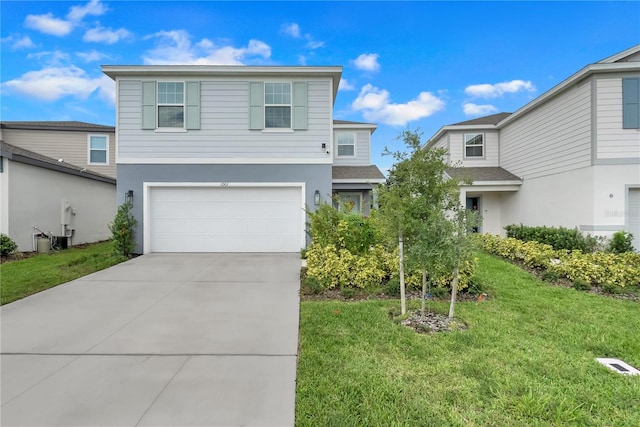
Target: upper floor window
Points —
{"points": [[473, 145], [170, 104], [277, 105], [631, 103], [98, 150], [345, 145]]}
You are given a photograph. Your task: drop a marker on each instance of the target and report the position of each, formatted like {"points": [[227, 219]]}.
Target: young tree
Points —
{"points": [[415, 200]]}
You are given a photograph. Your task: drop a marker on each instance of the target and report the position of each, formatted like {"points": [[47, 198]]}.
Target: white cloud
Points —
{"points": [[16, 42], [367, 62], [105, 35], [375, 105], [293, 30], [345, 85], [471, 109], [487, 90], [175, 47], [47, 24], [53, 83], [92, 56]]}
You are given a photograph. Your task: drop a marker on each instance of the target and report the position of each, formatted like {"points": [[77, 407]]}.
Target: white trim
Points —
{"points": [[225, 161], [170, 130], [465, 145], [183, 104], [493, 186], [4, 195], [354, 135], [146, 202], [89, 162], [265, 106]]}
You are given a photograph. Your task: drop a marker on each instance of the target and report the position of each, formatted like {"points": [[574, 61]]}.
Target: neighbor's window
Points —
{"points": [[345, 143], [170, 104], [98, 150], [631, 103], [277, 105], [473, 145]]}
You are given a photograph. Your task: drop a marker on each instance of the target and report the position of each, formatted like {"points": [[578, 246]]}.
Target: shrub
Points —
{"points": [[581, 285], [122, 231], [7, 246], [621, 242], [557, 237]]}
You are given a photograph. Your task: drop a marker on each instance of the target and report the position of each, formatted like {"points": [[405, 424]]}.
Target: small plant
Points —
{"points": [[312, 285], [7, 246], [347, 292], [611, 288], [122, 231], [621, 242], [550, 276], [581, 285]]}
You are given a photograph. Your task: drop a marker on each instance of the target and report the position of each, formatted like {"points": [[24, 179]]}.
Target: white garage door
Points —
{"points": [[634, 216], [225, 219]]}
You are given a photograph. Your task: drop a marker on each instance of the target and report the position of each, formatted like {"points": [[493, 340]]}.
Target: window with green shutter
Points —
{"points": [[171, 105]]}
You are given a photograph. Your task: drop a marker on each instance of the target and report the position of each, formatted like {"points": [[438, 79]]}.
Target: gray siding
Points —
{"points": [[132, 177], [72, 146], [363, 149], [553, 138], [491, 149], [612, 141], [224, 132]]}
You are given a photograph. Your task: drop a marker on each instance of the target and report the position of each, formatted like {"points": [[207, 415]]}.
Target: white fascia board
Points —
{"points": [[346, 126], [618, 56], [358, 181], [223, 161], [455, 128], [493, 186]]}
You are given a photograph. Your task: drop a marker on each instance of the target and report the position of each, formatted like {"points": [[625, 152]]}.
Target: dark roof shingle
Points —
{"points": [[57, 125], [493, 119], [365, 173], [475, 174]]}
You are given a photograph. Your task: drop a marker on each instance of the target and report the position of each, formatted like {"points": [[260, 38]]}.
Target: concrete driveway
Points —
{"points": [[161, 340]]}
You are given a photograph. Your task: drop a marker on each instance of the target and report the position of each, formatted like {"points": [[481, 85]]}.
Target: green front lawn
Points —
{"points": [[527, 359], [19, 279]]}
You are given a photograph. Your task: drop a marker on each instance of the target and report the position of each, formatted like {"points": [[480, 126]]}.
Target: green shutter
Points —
{"points": [[148, 105], [300, 105], [256, 105], [631, 103], [192, 105]]}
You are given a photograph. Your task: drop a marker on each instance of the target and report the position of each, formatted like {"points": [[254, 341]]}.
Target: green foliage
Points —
{"points": [[621, 242], [122, 231], [599, 268], [557, 237], [7, 246], [581, 285]]}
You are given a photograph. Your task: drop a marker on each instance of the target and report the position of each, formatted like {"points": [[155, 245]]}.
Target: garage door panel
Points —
{"points": [[227, 219]]}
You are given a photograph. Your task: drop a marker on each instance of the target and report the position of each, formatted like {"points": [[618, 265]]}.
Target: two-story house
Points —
{"points": [[570, 157], [229, 158]]}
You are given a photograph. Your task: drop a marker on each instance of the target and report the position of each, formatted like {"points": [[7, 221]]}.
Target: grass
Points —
{"points": [[526, 359], [21, 278]]}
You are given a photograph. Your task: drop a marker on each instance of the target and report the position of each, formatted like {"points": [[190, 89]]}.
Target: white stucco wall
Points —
{"points": [[35, 198]]}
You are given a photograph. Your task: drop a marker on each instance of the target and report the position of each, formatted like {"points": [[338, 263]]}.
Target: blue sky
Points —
{"points": [[407, 65]]}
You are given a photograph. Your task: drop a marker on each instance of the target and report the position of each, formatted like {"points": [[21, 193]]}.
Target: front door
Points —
{"points": [[473, 204]]}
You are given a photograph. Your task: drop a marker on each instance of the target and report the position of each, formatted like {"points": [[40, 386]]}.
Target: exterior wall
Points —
{"points": [[72, 146], [490, 208], [35, 198], [362, 149], [551, 139], [4, 195], [491, 149], [224, 136], [443, 142], [132, 177], [613, 143]]}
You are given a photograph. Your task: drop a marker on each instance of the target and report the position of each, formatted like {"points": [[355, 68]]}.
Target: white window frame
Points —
{"points": [[337, 145], [465, 145], [89, 150], [160, 104], [289, 105]]}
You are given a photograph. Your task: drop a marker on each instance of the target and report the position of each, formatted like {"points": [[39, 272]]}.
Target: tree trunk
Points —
{"points": [[424, 290], [403, 303], [454, 290]]}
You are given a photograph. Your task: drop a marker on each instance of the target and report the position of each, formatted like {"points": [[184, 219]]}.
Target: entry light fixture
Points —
{"points": [[129, 197], [316, 198]]}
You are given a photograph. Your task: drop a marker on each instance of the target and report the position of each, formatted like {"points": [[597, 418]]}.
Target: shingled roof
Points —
{"points": [[493, 119], [487, 174], [57, 125], [364, 173], [21, 155]]}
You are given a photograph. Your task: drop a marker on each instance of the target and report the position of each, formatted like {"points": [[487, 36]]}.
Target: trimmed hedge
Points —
{"points": [[602, 269], [558, 237]]}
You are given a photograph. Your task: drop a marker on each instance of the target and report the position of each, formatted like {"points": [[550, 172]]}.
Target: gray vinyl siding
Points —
{"points": [[363, 149], [443, 142], [553, 138], [225, 129], [612, 141], [71, 146], [491, 149]]}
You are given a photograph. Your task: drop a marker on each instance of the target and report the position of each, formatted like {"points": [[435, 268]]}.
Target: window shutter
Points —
{"points": [[192, 105], [300, 105], [631, 103], [148, 105], [256, 105]]}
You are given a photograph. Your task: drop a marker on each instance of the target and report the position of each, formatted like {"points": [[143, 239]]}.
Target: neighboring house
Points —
{"points": [[82, 144], [228, 158], [570, 157], [42, 193]]}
